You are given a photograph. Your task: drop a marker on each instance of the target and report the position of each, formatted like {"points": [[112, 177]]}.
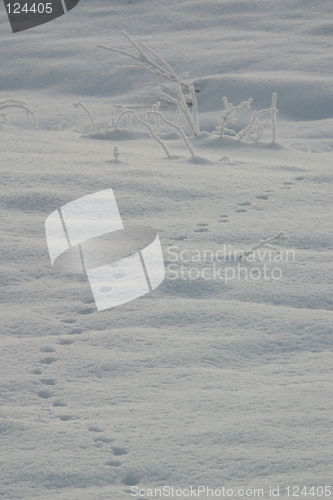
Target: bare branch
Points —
{"points": [[16, 103], [152, 133], [175, 126], [266, 244], [79, 104]]}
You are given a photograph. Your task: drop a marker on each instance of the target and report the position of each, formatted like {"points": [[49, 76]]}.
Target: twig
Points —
{"points": [[179, 102], [255, 125], [228, 115], [274, 111], [119, 117], [15, 103], [79, 104], [177, 116], [7, 122], [265, 244], [177, 127], [156, 107], [152, 133], [143, 55], [195, 109]]}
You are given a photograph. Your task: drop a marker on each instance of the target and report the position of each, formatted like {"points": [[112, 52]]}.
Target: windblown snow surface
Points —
{"points": [[211, 382]]}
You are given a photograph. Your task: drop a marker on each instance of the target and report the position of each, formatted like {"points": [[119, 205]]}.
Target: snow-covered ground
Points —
{"points": [[219, 382]]}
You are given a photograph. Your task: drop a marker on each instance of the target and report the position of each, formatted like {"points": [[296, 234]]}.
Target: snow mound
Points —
{"points": [[300, 97]]}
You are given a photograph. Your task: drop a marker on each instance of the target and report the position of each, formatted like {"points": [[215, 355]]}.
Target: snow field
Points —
{"points": [[201, 381]]}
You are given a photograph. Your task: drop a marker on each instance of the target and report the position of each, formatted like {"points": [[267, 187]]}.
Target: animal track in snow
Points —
{"points": [[103, 440], [66, 342], [48, 381], [131, 480], [45, 394], [90, 300], [113, 463], [65, 418], [75, 331], [242, 204], [224, 218], [58, 404], [262, 197], [180, 238], [47, 349], [92, 428], [118, 451], [286, 185], [300, 178], [36, 371], [202, 227], [86, 310], [48, 360], [51, 382]]}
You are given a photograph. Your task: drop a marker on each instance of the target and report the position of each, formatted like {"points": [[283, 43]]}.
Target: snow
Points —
{"points": [[216, 382]]}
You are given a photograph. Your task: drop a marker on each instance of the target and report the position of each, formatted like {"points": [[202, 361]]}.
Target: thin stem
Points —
{"points": [[266, 243], [255, 115], [119, 117], [81, 105], [177, 127], [152, 133], [274, 111], [15, 103], [195, 108]]}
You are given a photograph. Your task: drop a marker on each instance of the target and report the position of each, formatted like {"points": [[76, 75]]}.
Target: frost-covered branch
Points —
{"points": [[5, 119], [148, 59], [127, 112], [175, 126], [274, 111], [281, 236], [195, 109], [255, 128], [181, 104], [153, 134], [177, 115], [15, 103], [79, 104], [156, 107], [228, 115]]}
